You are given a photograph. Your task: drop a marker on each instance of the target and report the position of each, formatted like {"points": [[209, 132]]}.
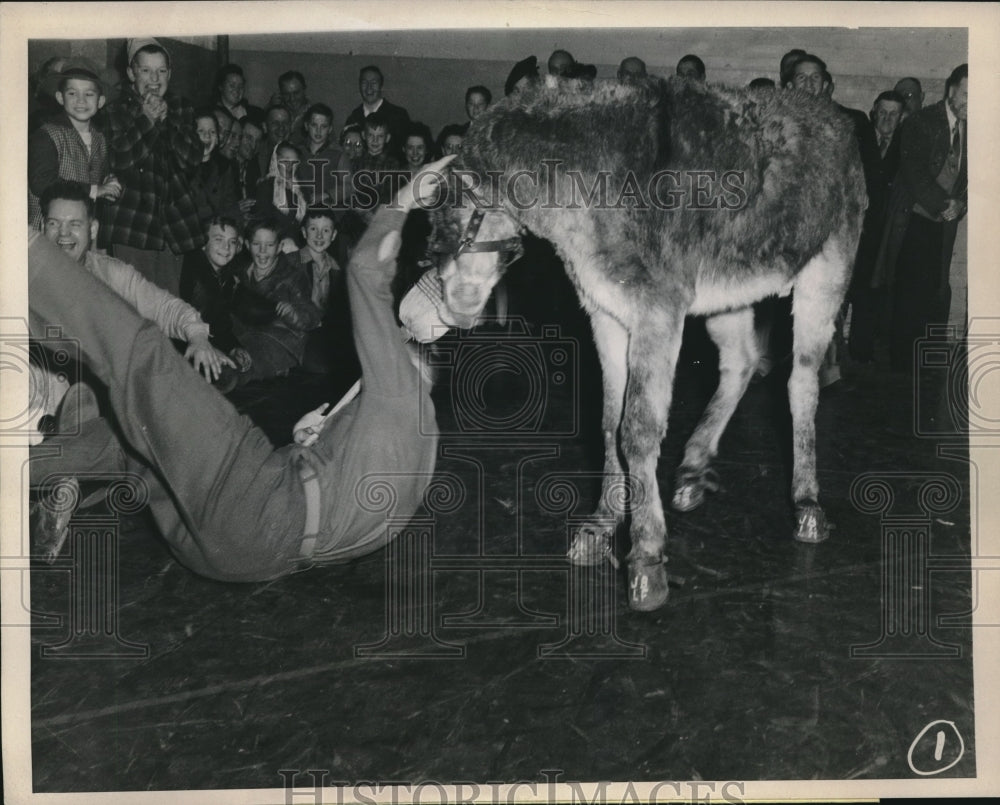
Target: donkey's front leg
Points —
{"points": [[593, 541], [652, 358]]}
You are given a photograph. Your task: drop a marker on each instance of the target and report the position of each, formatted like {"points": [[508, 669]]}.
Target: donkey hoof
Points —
{"points": [[647, 584], [812, 527], [691, 489], [591, 545]]}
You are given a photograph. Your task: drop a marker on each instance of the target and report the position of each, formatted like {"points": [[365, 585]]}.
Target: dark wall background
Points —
{"points": [[428, 71]]}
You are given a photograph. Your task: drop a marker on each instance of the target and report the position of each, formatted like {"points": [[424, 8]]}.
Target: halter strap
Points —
{"points": [[468, 243]]}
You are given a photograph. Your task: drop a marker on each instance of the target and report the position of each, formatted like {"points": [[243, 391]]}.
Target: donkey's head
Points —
{"points": [[473, 244]]}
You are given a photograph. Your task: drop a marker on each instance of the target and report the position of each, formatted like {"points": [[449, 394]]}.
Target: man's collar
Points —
{"points": [[952, 120], [305, 256], [369, 109]]}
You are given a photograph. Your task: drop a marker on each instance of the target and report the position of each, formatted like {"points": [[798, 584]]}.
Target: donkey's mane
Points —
{"points": [[644, 126]]}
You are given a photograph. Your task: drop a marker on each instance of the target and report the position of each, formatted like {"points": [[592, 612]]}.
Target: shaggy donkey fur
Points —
{"points": [[788, 219]]}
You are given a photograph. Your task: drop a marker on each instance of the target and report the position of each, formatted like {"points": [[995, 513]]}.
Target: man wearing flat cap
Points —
{"points": [[153, 151], [524, 72]]}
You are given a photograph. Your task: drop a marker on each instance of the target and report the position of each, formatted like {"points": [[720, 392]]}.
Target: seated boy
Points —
{"points": [[380, 173], [210, 286], [215, 179], [329, 347], [69, 147], [377, 157], [277, 343], [325, 171]]}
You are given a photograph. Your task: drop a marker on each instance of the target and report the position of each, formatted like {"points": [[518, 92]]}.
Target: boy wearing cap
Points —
{"points": [[154, 151], [69, 147]]}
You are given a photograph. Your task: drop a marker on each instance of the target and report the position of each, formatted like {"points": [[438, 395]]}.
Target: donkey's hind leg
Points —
{"points": [[592, 542], [733, 334], [652, 359], [818, 292]]}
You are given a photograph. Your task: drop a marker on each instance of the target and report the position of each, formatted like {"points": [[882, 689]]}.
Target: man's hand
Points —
{"points": [[307, 429], [154, 107], [954, 210], [423, 187], [206, 359], [287, 312], [111, 189], [288, 246]]}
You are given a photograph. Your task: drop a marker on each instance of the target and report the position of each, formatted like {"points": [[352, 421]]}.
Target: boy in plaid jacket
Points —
{"points": [[154, 151]]}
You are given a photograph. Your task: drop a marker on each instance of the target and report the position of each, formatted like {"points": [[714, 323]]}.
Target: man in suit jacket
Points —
{"points": [[867, 303], [808, 73], [928, 199], [370, 82], [887, 115]]}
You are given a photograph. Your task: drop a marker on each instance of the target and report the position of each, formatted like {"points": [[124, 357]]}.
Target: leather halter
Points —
{"points": [[468, 242]]}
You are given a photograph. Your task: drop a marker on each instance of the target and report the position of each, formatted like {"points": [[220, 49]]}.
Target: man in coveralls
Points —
{"points": [[230, 505]]}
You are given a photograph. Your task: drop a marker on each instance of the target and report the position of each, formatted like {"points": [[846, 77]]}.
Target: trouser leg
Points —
{"points": [[229, 505], [915, 291]]}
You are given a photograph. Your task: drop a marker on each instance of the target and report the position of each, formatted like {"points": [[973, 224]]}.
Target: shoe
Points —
{"points": [[50, 516]]}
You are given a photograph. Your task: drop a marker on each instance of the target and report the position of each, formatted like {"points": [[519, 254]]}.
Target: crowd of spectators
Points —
{"points": [[249, 213]]}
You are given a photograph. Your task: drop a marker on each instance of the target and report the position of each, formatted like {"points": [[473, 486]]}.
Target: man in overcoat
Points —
{"points": [[928, 199]]}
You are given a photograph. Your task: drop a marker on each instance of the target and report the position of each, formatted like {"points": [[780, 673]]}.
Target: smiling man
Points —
{"points": [[85, 440], [292, 95], [153, 149], [277, 127], [370, 83], [929, 198], [68, 221]]}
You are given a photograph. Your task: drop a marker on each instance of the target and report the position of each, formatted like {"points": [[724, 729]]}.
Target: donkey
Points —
{"points": [[664, 199]]}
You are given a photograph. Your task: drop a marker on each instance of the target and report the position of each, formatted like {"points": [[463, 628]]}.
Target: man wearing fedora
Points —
{"points": [[153, 151], [69, 146]]}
